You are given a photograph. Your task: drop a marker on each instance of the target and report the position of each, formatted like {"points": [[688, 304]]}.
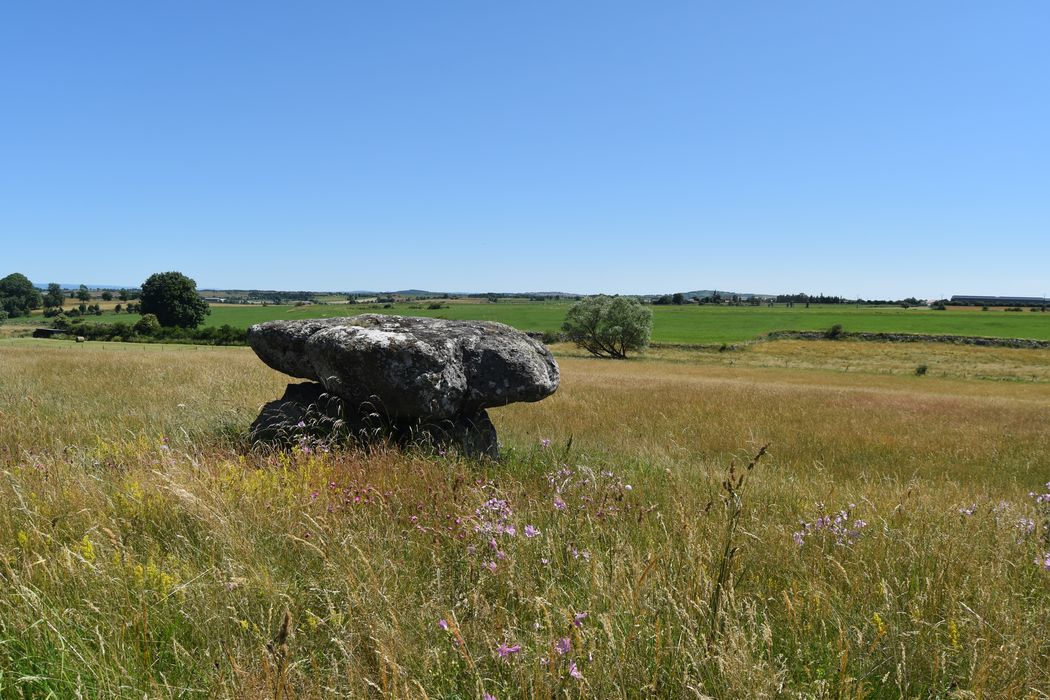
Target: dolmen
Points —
{"points": [[400, 379]]}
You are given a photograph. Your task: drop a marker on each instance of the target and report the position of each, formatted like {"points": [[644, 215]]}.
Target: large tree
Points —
{"points": [[609, 326], [172, 297], [18, 295], [55, 297]]}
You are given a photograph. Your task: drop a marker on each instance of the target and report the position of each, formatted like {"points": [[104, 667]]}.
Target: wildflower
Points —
{"points": [[491, 566], [545, 561], [879, 624], [443, 624], [300, 424], [578, 619], [799, 538], [87, 549], [244, 624], [531, 531], [1043, 561], [545, 442], [563, 645], [575, 672], [628, 487], [1026, 526], [504, 650], [968, 511], [558, 503], [488, 696]]}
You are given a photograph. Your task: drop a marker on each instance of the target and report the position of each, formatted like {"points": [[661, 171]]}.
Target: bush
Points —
{"points": [[609, 326], [921, 370], [437, 305], [147, 325], [834, 333]]}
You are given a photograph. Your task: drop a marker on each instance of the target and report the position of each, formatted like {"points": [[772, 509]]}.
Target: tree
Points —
{"points": [[18, 295], [173, 298], [83, 294], [678, 299], [122, 295], [107, 296], [55, 298], [609, 326]]}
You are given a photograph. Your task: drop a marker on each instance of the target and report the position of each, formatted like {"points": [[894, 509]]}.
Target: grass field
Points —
{"points": [[146, 552], [685, 324]]}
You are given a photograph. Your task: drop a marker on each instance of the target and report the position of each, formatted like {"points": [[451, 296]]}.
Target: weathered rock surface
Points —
{"points": [[307, 412], [414, 373]]}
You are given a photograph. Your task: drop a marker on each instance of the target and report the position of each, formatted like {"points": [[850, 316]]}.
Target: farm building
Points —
{"points": [[998, 301], [48, 332]]}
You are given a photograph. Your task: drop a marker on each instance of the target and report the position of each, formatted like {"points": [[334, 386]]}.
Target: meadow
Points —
{"points": [[888, 542], [688, 324]]}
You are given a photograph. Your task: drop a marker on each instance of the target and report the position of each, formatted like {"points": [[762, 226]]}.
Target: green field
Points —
{"points": [[676, 324]]}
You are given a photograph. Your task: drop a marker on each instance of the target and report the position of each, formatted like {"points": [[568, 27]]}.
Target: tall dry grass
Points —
{"points": [[145, 552]]}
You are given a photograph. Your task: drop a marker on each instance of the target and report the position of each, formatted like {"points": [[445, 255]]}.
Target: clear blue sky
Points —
{"points": [[855, 148]]}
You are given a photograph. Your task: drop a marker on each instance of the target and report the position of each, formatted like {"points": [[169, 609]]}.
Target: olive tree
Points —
{"points": [[609, 326], [172, 297]]}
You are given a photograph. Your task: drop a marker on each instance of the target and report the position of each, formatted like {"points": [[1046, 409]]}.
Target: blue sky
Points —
{"points": [[873, 149]]}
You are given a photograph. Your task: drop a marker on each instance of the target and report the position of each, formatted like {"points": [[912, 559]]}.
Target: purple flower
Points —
{"points": [[1026, 526], [969, 511], [799, 538], [575, 672], [443, 624], [558, 503], [1043, 561], [491, 566], [300, 424], [531, 531], [563, 645], [504, 650], [545, 442], [488, 696], [578, 619]]}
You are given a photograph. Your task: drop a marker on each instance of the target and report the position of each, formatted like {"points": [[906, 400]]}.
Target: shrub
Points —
{"points": [[609, 326], [147, 325], [921, 370], [834, 333]]}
